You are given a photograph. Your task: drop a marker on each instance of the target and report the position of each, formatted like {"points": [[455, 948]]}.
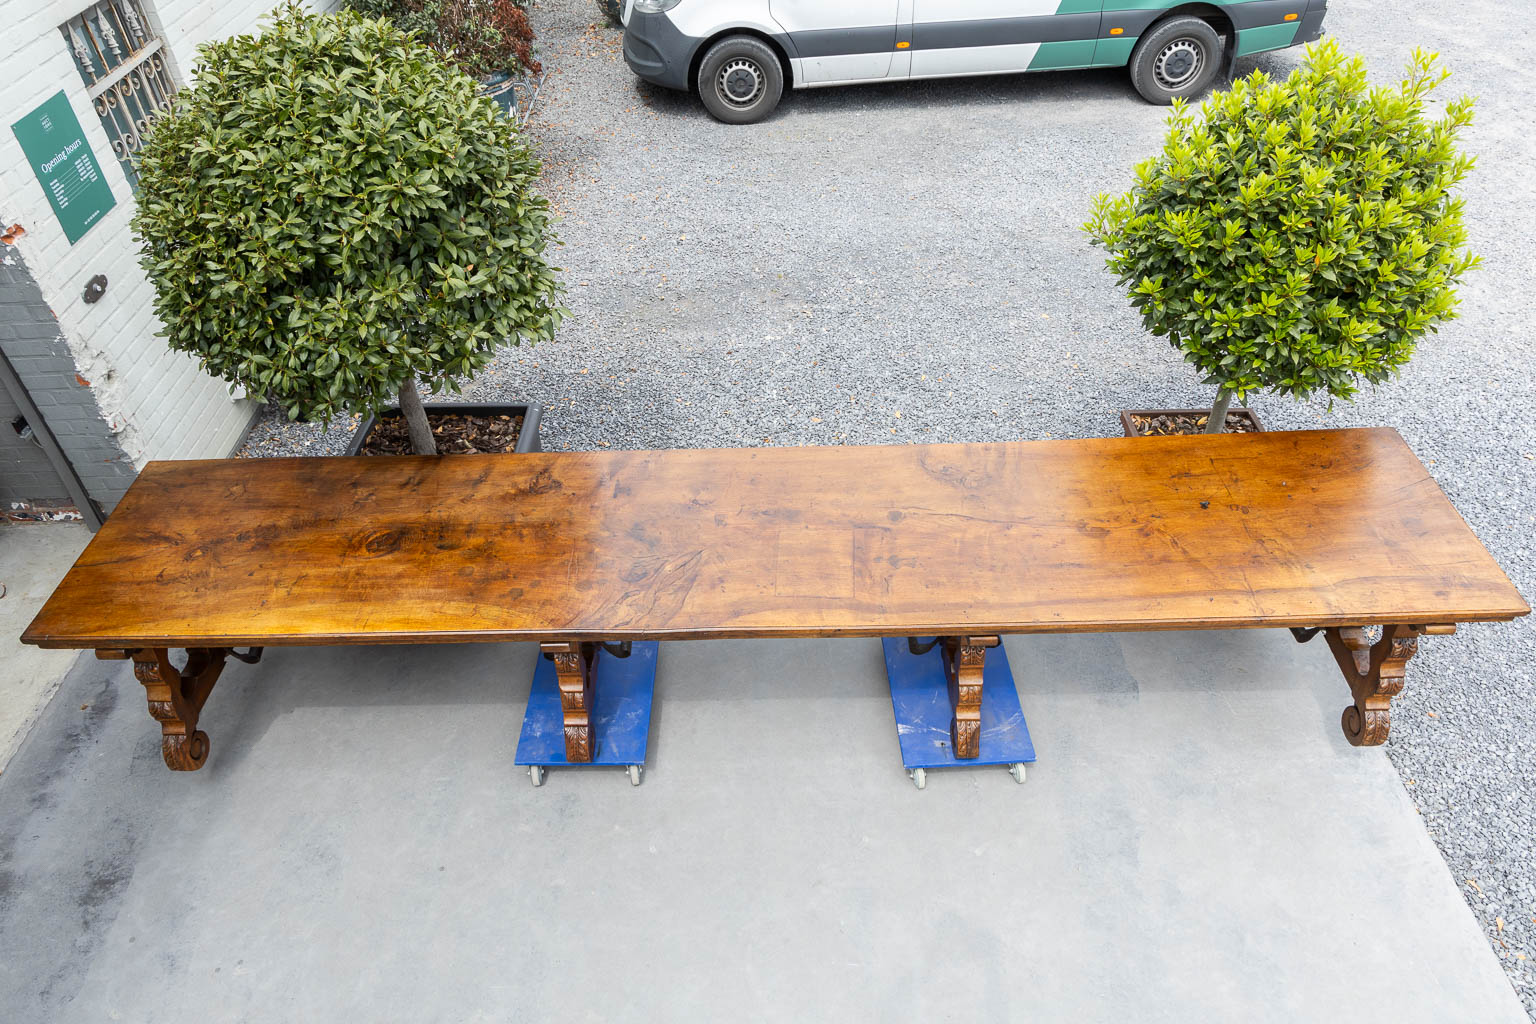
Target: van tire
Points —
{"points": [[1178, 58], [740, 80]]}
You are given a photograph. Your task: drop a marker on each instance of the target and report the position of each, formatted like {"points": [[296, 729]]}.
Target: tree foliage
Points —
{"points": [[332, 210], [1299, 235]]}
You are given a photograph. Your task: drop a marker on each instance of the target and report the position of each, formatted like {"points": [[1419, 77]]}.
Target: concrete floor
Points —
{"points": [[904, 263], [1197, 842], [33, 558]]}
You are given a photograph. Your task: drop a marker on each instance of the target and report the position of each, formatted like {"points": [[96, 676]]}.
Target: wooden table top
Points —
{"points": [[1308, 528]]}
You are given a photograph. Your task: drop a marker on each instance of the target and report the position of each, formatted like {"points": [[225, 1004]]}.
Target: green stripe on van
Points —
{"points": [[1157, 5], [1114, 52], [1077, 53], [1080, 7], [1266, 37]]}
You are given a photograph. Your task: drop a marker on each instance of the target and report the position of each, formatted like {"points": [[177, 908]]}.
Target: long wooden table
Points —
{"points": [[1318, 531]]}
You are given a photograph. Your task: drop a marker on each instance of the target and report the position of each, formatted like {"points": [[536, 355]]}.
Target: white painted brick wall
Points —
{"points": [[160, 403]]}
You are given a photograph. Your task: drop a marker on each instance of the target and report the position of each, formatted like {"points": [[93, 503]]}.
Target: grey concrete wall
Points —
{"points": [[33, 345]]}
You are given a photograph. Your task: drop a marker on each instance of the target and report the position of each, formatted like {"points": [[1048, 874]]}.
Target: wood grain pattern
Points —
{"points": [[1310, 528]]}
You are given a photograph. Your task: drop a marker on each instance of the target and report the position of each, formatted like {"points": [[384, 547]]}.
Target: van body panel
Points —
{"points": [[850, 41]]}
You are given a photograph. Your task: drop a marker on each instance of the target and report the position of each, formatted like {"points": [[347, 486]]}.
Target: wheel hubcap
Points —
{"points": [[1179, 63], [740, 82]]}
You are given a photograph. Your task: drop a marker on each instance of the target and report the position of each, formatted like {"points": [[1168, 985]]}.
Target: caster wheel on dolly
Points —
{"points": [[634, 775], [536, 775], [1017, 771], [919, 778]]}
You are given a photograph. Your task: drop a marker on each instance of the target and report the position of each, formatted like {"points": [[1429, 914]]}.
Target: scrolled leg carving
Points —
{"points": [[576, 675], [1375, 673], [965, 658], [184, 753], [176, 698]]}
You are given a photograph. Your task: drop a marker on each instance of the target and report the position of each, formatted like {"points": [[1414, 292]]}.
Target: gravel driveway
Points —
{"points": [[904, 263]]}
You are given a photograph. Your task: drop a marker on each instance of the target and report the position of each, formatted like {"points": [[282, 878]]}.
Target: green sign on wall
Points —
{"points": [[63, 162]]}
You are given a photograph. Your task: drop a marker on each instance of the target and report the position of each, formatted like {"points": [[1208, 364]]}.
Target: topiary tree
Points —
{"points": [[1298, 236], [332, 212]]}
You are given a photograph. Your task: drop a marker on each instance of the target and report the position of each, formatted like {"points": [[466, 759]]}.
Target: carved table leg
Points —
{"points": [[1374, 673], [964, 659], [176, 698], [576, 673]]}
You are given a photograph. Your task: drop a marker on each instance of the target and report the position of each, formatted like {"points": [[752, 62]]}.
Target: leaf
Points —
{"points": [[1298, 235], [332, 206]]}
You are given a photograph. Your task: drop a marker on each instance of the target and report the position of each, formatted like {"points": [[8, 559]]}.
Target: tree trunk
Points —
{"points": [[422, 442], [1218, 421]]}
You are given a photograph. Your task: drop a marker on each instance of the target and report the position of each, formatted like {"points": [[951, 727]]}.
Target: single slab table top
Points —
{"points": [[1307, 528]]}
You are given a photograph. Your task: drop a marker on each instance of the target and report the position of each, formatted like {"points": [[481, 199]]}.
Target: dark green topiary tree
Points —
{"points": [[332, 212], [1298, 236]]}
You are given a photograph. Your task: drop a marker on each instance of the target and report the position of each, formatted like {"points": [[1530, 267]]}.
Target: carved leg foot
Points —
{"points": [[176, 698], [185, 754], [1374, 672], [576, 674], [964, 659]]}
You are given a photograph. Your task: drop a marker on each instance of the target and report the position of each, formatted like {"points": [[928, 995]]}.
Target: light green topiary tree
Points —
{"points": [[1298, 236], [332, 212]]}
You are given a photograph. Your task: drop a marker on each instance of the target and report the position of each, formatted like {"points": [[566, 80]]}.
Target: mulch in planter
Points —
{"points": [[456, 434], [1186, 423]]}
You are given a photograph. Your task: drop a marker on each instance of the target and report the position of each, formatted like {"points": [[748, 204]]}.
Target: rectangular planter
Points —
{"points": [[527, 437], [1129, 426]]}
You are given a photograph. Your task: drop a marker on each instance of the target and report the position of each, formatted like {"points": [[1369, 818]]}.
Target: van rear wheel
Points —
{"points": [[740, 80], [1178, 58]]}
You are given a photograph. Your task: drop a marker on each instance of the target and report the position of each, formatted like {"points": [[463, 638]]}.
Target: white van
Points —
{"points": [[739, 54]]}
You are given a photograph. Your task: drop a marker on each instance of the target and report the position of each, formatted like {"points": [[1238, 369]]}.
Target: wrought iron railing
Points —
{"points": [[125, 71]]}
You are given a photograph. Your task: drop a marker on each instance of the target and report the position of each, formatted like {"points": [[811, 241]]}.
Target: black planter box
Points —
{"points": [[527, 437]]}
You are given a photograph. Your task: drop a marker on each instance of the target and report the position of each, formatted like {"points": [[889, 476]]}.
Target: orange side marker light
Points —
{"points": [[1292, 17], [1117, 31]]}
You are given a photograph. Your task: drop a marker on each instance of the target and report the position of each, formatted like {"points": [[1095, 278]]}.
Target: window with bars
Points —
{"points": [[125, 71]]}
